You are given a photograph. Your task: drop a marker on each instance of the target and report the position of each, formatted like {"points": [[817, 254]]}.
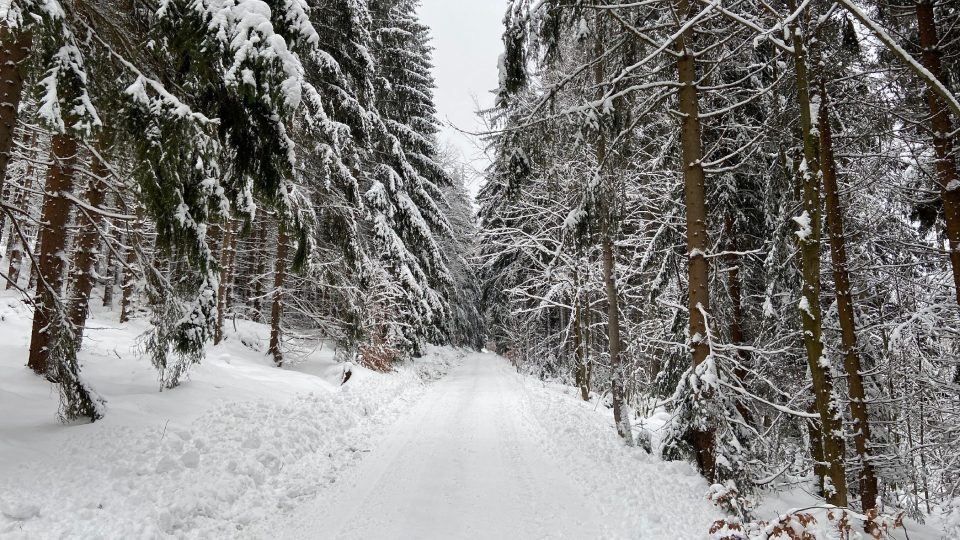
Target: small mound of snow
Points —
{"points": [[18, 510]]}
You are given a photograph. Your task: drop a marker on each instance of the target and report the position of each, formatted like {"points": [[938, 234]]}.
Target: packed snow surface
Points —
{"points": [[239, 441], [486, 453], [454, 445], [244, 449]]}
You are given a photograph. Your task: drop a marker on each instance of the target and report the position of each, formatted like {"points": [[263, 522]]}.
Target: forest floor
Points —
{"points": [[237, 443], [453, 445]]}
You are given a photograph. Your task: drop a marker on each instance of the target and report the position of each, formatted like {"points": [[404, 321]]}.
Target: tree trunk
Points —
{"points": [[848, 328], [582, 375], [111, 269], [815, 432], [621, 415], [810, 235], [16, 243], [695, 199], [14, 50], [32, 284], [736, 311], [260, 271], [53, 239], [85, 249], [226, 258], [276, 310], [942, 125], [128, 286]]}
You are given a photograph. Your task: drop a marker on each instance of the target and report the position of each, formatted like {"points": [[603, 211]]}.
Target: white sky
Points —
{"points": [[466, 41]]}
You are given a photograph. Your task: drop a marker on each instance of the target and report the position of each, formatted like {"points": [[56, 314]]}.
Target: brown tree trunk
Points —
{"points": [[276, 310], [32, 284], [260, 271], [695, 198], [810, 239], [736, 297], [226, 258], [582, 374], [942, 124], [85, 249], [815, 431], [128, 285], [231, 267], [736, 312], [53, 239], [110, 269], [621, 416], [618, 376], [14, 50], [16, 244], [848, 328]]}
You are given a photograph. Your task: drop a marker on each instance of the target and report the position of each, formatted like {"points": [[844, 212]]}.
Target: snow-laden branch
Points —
{"points": [[928, 78]]}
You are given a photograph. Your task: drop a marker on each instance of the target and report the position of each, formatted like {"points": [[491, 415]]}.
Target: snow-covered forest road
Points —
{"points": [[471, 460], [451, 445], [466, 462]]}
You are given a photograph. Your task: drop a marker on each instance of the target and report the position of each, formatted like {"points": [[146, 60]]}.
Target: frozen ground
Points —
{"points": [[246, 450], [489, 454], [238, 442]]}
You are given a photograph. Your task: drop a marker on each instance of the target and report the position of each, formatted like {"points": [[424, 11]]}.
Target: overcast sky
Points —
{"points": [[466, 41]]}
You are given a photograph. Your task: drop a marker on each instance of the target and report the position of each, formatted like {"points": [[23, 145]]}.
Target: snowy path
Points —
{"points": [[466, 462]]}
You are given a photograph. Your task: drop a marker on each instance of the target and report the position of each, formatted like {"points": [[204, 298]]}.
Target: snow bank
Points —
{"points": [[239, 441], [645, 497], [775, 504]]}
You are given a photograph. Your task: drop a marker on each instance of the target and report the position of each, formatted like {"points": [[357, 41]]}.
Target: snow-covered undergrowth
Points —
{"points": [[669, 499], [238, 441], [642, 495], [775, 506]]}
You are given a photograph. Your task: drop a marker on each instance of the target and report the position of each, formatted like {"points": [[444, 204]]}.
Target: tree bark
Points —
{"points": [[226, 272], [16, 245], [695, 198], [618, 377], [260, 271], [14, 50], [942, 124], [53, 238], [276, 310], [111, 269], [582, 374], [848, 328], [621, 415], [128, 285], [734, 288], [810, 240], [85, 249]]}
